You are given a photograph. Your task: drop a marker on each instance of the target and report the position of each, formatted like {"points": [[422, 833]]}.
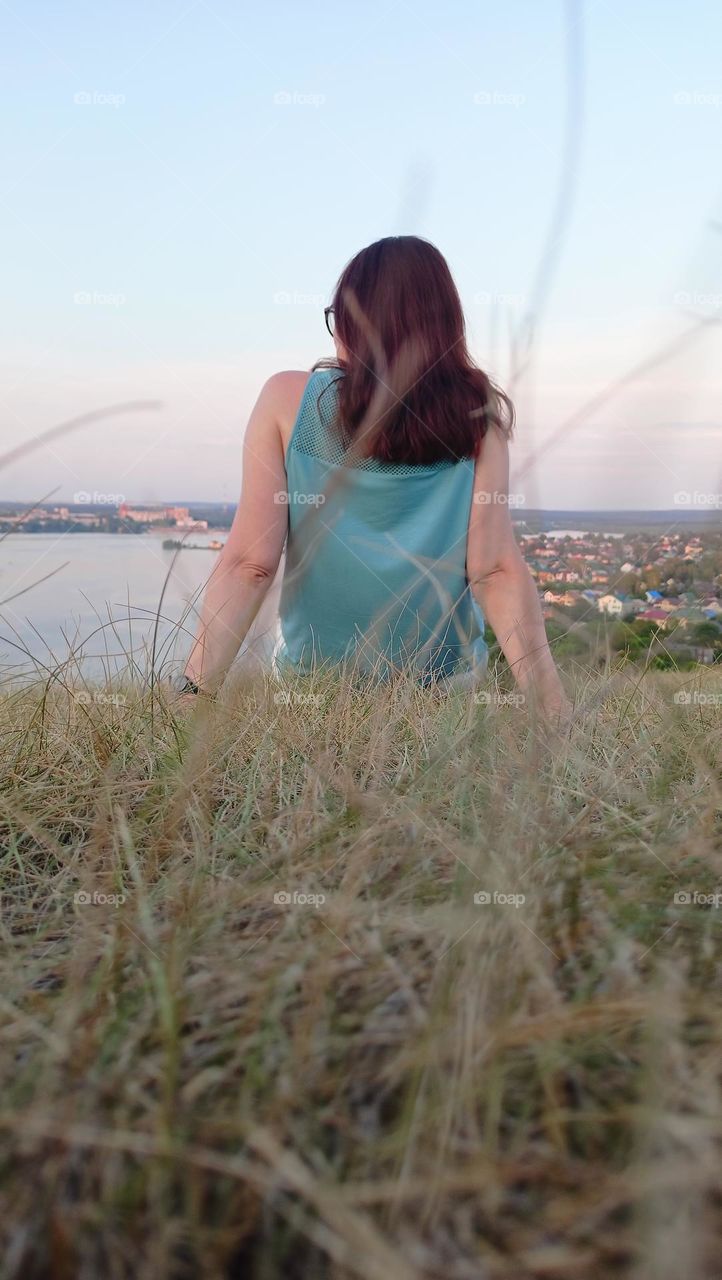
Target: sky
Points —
{"points": [[183, 183]]}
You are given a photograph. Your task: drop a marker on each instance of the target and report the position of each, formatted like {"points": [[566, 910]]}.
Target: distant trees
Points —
{"points": [[707, 633], [579, 633], [684, 572]]}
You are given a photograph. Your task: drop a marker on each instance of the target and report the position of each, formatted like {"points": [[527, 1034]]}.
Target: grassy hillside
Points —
{"points": [[371, 1075]]}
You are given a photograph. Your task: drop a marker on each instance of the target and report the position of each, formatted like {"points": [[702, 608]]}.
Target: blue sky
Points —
{"points": [[183, 183]]}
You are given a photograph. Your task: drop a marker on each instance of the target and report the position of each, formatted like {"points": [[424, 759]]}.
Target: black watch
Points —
{"points": [[184, 684]]}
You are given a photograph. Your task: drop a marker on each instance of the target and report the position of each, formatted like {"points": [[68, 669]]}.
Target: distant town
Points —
{"points": [[121, 518], [654, 579], [661, 592]]}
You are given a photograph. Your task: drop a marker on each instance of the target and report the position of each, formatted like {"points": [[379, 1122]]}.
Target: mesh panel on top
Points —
{"points": [[318, 435]]}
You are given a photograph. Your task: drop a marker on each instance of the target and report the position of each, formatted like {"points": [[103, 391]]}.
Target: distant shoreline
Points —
{"points": [[219, 517]]}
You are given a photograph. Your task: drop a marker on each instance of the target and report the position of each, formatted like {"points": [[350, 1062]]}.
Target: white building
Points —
{"points": [[620, 606]]}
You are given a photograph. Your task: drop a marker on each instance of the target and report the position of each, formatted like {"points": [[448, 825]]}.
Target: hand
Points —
{"points": [[178, 703], [184, 692], [184, 702], [558, 711]]}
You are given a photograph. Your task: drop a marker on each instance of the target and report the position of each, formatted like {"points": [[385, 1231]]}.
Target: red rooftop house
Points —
{"points": [[660, 616]]}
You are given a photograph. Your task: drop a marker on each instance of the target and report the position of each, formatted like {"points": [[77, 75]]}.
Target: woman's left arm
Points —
{"points": [[504, 587], [248, 562]]}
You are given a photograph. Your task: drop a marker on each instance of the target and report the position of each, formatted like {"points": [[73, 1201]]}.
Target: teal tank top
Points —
{"points": [[375, 568]]}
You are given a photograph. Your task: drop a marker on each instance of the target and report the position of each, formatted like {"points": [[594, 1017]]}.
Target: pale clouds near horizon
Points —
{"points": [[658, 436]]}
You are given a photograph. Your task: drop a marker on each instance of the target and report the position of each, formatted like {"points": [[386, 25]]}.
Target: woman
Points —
{"points": [[386, 473]]}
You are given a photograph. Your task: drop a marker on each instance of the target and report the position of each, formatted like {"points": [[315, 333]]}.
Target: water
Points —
{"points": [[577, 533], [101, 601]]}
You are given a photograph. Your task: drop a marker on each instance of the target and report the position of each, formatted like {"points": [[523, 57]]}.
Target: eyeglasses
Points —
{"points": [[328, 317]]}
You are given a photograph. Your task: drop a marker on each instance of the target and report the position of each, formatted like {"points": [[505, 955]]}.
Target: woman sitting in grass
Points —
{"points": [[385, 474]]}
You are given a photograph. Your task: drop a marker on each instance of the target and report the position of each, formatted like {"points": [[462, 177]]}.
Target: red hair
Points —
{"points": [[411, 391]]}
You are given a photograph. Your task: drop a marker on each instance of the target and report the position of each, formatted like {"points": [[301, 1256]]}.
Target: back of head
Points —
{"points": [[411, 392]]}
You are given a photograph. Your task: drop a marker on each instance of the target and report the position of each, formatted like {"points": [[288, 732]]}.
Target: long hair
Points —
{"points": [[409, 391]]}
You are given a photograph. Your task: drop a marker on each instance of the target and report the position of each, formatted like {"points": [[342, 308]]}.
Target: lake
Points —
{"points": [[97, 595]]}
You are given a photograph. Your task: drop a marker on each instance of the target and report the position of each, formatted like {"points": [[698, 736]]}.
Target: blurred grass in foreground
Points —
{"points": [[388, 1079]]}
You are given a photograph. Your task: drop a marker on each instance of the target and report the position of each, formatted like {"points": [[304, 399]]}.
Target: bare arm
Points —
{"points": [[247, 565], [502, 584]]}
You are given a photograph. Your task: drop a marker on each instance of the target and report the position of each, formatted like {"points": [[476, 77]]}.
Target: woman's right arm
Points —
{"points": [[247, 564]]}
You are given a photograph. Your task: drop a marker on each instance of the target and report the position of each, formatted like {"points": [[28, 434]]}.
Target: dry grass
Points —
{"points": [[397, 1082]]}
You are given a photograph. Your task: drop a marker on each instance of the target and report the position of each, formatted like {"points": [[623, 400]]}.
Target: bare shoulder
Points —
{"points": [[286, 381], [494, 452], [284, 390], [282, 394]]}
